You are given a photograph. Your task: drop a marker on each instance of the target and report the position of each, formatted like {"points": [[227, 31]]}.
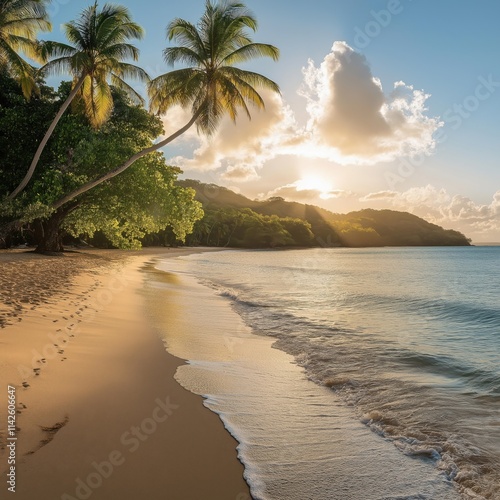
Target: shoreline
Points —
{"points": [[101, 414], [252, 382]]}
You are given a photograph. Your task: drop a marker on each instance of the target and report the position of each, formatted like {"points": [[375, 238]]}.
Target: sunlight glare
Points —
{"points": [[315, 183]]}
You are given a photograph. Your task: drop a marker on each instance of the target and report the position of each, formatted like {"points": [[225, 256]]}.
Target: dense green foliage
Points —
{"points": [[144, 199], [246, 228], [99, 166], [212, 87], [81, 154], [99, 44], [356, 229], [22, 124]]}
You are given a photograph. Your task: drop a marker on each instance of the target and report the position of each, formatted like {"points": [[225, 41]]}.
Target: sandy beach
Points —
{"points": [[98, 412]]}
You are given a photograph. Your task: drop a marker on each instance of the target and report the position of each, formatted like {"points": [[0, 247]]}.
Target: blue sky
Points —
{"points": [[447, 49]]}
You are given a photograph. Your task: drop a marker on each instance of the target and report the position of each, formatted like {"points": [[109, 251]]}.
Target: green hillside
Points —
{"points": [[231, 219]]}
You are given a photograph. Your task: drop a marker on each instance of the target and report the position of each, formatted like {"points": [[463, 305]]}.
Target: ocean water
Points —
{"points": [[357, 374]]}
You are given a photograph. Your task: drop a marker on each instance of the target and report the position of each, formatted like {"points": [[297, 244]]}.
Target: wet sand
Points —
{"points": [[99, 414]]}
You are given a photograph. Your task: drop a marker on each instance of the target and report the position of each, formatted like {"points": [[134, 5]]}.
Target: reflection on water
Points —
{"points": [[297, 439], [408, 338]]}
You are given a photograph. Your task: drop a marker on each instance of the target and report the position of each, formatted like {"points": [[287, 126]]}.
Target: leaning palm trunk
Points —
{"points": [[118, 170], [51, 240], [46, 137], [212, 86], [99, 41]]}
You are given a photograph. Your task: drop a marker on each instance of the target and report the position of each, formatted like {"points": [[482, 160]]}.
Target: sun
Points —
{"points": [[315, 183]]}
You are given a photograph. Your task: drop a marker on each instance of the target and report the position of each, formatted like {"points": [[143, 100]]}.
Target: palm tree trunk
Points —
{"points": [[45, 139], [231, 235], [118, 170], [210, 233]]}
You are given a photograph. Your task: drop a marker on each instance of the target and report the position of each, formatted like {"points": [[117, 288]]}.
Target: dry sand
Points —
{"points": [[99, 414]]}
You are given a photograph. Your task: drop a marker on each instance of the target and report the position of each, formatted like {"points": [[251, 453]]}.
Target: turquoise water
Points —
{"points": [[407, 340]]}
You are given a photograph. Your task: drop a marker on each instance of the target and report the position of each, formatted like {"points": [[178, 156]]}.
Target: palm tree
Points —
{"points": [[20, 22], [99, 45], [211, 85]]}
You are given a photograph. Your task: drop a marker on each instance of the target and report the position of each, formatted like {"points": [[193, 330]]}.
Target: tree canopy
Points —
{"points": [[231, 227], [145, 199], [213, 87], [94, 144], [363, 228], [100, 44]]}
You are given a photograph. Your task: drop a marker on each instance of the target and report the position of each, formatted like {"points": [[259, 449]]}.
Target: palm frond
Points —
{"points": [[186, 55], [248, 91], [117, 81], [186, 35], [212, 86], [74, 34], [57, 66], [97, 100], [176, 87], [210, 111], [126, 70], [21, 70], [26, 45], [50, 49], [119, 51], [251, 51], [232, 98], [20, 23], [28, 26], [122, 30], [251, 78]]}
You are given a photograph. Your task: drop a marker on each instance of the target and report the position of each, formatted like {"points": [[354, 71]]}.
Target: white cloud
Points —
{"points": [[351, 118], [350, 121], [380, 195], [246, 146], [241, 173], [291, 193], [174, 119], [304, 192], [479, 221]]}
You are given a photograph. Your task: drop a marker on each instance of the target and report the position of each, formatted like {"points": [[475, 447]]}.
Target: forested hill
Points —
{"points": [[234, 220]]}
